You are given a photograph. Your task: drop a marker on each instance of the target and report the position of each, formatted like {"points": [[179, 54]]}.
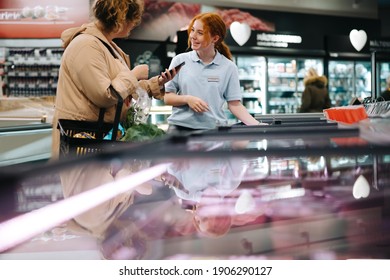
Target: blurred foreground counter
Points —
{"points": [[298, 188], [25, 129]]}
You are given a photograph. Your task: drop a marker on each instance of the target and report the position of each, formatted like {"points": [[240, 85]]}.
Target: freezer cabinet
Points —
{"points": [[349, 79], [285, 82], [306, 193]]}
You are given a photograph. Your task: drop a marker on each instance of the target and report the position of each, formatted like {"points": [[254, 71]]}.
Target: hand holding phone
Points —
{"points": [[177, 68], [162, 79]]}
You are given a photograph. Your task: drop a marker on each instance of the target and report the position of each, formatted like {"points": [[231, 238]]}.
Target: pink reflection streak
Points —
{"points": [[26, 226]]}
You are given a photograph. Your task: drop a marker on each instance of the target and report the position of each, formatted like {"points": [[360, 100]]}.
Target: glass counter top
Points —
{"points": [[207, 195]]}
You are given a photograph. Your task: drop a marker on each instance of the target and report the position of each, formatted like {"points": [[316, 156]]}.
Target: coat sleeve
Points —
{"points": [[127, 82], [91, 72], [151, 86]]}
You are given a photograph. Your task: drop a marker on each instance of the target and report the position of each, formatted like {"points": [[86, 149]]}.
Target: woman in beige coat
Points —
{"points": [[91, 64], [89, 68]]}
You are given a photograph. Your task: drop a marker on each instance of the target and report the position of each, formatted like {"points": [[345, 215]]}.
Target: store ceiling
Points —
{"points": [[350, 8]]}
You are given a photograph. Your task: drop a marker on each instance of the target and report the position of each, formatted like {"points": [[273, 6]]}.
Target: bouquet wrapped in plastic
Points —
{"points": [[136, 125]]}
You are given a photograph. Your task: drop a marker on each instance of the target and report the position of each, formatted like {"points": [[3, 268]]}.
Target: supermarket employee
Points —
{"points": [[92, 63], [207, 80]]}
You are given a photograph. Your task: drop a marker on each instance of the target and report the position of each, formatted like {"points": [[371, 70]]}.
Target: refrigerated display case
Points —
{"points": [[285, 82], [382, 67], [384, 75], [273, 85], [380, 59], [252, 75], [348, 70], [348, 79], [304, 191]]}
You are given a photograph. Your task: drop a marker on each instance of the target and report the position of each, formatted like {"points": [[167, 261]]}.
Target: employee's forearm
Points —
{"points": [[173, 99], [241, 113]]}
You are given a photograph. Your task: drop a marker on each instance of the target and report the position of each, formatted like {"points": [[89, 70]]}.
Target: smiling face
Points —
{"points": [[200, 38]]}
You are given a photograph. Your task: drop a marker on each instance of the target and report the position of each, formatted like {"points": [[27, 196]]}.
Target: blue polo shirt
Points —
{"points": [[215, 83]]}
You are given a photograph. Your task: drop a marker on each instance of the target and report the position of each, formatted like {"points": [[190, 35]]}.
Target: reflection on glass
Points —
{"points": [[195, 176], [256, 168], [244, 203], [86, 178], [361, 188], [229, 206], [95, 195]]}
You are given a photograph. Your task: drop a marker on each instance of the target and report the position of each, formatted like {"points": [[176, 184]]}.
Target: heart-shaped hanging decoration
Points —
{"points": [[361, 188], [244, 203], [241, 32], [358, 39]]}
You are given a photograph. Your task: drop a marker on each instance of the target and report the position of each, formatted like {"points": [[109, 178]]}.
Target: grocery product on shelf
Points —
{"points": [[30, 71], [285, 82]]}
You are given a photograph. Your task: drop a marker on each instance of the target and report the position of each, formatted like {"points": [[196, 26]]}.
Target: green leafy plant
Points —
{"points": [[136, 129]]}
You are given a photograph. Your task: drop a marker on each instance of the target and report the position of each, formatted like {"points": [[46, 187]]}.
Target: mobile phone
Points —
{"points": [[177, 67]]}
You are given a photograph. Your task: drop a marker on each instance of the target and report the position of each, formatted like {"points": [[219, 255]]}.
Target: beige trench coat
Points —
{"points": [[87, 71]]}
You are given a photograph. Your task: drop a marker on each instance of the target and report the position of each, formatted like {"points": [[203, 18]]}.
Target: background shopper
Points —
{"points": [[92, 63], [386, 93], [207, 81], [315, 97]]}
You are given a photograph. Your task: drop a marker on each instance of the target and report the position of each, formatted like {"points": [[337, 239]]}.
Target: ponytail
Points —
{"points": [[224, 49]]}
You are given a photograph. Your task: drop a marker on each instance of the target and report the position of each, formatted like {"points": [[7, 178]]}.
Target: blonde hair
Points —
{"points": [[113, 13], [213, 25], [312, 72]]}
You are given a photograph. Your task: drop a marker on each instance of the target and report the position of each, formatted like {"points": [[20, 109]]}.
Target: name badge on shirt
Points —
{"points": [[213, 79]]}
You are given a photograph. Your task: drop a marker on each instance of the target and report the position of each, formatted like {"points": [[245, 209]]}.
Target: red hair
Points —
{"points": [[213, 25]]}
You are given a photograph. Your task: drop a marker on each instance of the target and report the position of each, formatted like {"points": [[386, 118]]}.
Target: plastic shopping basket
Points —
{"points": [[93, 133]]}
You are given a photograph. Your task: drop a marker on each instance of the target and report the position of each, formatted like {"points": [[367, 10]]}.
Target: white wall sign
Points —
{"points": [[277, 40]]}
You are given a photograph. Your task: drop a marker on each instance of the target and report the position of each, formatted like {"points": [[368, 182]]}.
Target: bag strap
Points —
{"points": [[101, 115], [109, 48], [120, 100], [117, 114]]}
